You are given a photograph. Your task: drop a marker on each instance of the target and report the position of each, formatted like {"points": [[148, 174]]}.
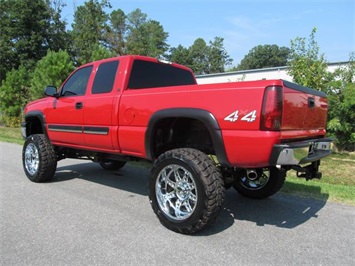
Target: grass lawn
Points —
{"points": [[12, 135], [336, 185]]}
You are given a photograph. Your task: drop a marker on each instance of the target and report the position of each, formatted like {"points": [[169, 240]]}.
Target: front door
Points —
{"points": [[65, 117]]}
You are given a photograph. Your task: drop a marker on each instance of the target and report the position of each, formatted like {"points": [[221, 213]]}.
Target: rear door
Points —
{"points": [[64, 116], [101, 108]]}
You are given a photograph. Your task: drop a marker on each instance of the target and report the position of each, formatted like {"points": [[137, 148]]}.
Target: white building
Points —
{"points": [[256, 74]]}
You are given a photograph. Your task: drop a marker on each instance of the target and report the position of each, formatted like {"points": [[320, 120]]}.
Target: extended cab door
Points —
{"points": [[101, 107], [65, 117]]}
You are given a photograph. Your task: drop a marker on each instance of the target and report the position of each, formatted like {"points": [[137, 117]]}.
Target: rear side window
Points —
{"points": [[147, 74], [105, 77]]}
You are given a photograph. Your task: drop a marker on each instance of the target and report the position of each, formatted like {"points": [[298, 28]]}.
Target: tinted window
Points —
{"points": [[147, 74], [77, 83], [105, 77]]}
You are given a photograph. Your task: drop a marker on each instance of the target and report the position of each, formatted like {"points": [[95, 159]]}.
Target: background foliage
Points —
{"points": [[38, 50], [341, 94], [50, 70], [263, 56], [309, 68]]}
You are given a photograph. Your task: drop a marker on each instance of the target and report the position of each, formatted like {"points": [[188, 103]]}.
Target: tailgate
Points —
{"points": [[303, 108]]}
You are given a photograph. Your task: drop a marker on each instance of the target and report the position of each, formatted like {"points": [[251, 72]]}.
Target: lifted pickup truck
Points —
{"points": [[201, 139]]}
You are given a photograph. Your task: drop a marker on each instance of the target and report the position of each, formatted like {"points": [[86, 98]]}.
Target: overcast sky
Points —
{"points": [[245, 24]]}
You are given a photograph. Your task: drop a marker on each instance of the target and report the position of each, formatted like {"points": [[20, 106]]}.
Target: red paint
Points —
{"points": [[126, 113]]}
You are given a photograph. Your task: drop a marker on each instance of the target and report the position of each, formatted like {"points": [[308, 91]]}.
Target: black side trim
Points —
{"points": [[72, 129], [36, 114], [307, 90], [79, 129], [204, 116], [96, 130]]}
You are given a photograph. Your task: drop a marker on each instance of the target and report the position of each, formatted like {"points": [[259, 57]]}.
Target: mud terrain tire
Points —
{"points": [[38, 158], [186, 190]]}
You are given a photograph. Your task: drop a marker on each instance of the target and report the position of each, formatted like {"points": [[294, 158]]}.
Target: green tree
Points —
{"points": [[145, 37], [263, 56], [198, 51], [306, 65], [28, 28], [117, 32], [14, 93], [52, 69], [135, 39], [89, 29], [218, 57], [100, 52], [202, 58], [155, 39], [341, 97], [136, 18], [59, 38], [309, 68], [180, 55]]}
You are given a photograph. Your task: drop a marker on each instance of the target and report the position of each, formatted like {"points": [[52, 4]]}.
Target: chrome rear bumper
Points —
{"points": [[301, 152]]}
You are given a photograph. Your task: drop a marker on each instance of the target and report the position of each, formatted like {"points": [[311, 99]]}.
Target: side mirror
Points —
{"points": [[51, 91]]}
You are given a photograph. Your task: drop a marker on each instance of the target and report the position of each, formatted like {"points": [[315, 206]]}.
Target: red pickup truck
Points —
{"points": [[201, 139]]}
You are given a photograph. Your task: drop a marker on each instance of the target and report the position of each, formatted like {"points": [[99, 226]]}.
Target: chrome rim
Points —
{"points": [[255, 183], [176, 192], [31, 159]]}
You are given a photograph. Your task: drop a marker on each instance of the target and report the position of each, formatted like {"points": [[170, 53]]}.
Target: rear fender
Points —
{"points": [[199, 114]]}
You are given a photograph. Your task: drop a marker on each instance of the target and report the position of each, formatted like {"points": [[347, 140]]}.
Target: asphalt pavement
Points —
{"points": [[89, 216]]}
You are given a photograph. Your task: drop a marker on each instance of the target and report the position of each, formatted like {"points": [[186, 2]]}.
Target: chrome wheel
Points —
{"points": [[31, 159], [39, 159], [255, 180], [176, 192], [186, 190], [259, 183]]}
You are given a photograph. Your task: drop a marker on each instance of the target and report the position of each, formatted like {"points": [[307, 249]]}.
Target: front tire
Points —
{"points": [[186, 190], [38, 158], [265, 183]]}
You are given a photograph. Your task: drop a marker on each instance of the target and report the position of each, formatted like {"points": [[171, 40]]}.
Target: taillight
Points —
{"points": [[271, 114]]}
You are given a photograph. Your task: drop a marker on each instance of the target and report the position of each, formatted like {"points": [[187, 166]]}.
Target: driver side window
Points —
{"points": [[77, 83]]}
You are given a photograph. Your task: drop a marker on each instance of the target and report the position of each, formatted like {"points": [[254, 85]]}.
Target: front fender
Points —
{"points": [[35, 123]]}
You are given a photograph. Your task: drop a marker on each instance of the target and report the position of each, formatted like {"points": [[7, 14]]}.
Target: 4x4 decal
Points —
{"points": [[233, 117]]}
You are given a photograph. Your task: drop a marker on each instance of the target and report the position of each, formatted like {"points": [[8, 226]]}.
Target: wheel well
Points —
{"points": [[181, 132], [33, 126]]}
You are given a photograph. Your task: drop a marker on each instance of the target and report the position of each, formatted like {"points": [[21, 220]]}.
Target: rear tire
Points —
{"points": [[266, 184], [38, 158], [186, 190]]}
